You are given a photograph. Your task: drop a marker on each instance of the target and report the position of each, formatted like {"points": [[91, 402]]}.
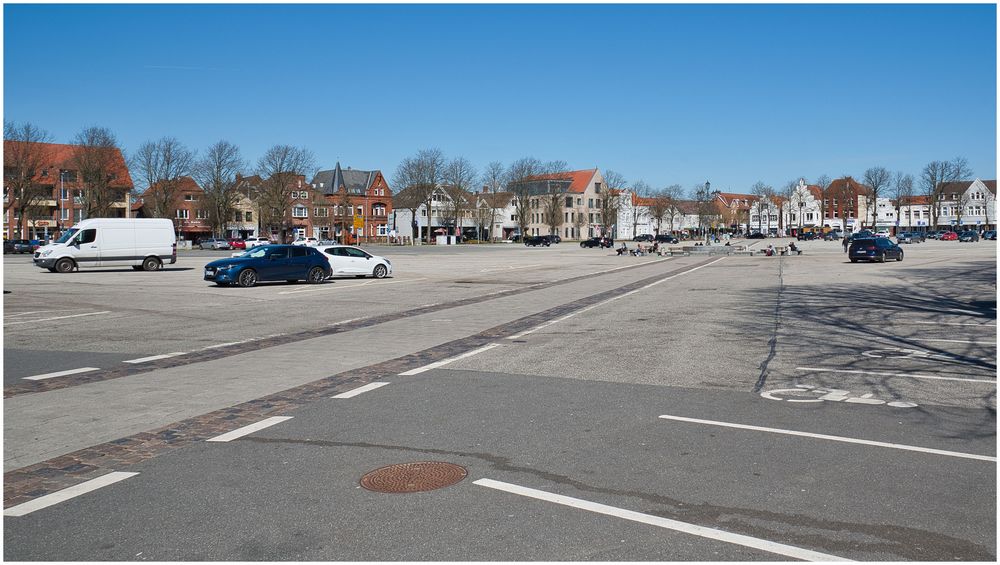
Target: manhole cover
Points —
{"points": [[413, 477]]}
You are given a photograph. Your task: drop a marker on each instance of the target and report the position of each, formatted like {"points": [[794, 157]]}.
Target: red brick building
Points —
{"points": [[190, 220]]}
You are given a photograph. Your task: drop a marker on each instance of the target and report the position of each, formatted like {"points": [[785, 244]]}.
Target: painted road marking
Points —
{"points": [[61, 373], [154, 357], [956, 341], [67, 493], [883, 374], [592, 306], [508, 268], [437, 364], [247, 430], [834, 438], [831, 394], [359, 390], [666, 523], [350, 286], [949, 324], [56, 318], [226, 344]]}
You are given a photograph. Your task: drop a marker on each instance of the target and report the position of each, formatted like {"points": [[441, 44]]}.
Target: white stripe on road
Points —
{"points": [[592, 306], [339, 287], [61, 373], [437, 364], [226, 344], [948, 324], [834, 438], [154, 357], [247, 430], [67, 493], [956, 341], [666, 523], [359, 390], [56, 318], [906, 375]]}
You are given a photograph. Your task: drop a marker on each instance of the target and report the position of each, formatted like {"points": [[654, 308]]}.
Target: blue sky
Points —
{"points": [[665, 93]]}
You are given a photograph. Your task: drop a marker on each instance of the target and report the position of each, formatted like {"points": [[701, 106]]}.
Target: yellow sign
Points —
{"points": [[359, 222]]}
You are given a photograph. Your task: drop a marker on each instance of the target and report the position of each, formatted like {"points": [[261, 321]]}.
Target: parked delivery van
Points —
{"points": [[143, 243]]}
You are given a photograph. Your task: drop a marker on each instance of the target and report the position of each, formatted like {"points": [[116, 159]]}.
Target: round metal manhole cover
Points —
{"points": [[413, 477]]}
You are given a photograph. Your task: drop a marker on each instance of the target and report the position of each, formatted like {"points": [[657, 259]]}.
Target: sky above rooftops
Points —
{"points": [[667, 94]]}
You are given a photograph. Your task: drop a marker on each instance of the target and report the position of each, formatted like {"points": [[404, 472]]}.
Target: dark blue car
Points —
{"points": [[874, 249], [270, 263]]}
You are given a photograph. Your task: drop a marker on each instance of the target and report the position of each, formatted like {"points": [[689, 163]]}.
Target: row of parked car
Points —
{"points": [[21, 245], [293, 262]]}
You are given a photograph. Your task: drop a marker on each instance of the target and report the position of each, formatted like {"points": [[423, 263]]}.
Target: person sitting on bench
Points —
{"points": [[793, 249]]}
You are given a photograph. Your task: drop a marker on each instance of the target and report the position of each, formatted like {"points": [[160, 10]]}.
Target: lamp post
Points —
{"points": [[801, 206]]}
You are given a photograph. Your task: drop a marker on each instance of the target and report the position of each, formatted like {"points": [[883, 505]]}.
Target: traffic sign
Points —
{"points": [[359, 222]]}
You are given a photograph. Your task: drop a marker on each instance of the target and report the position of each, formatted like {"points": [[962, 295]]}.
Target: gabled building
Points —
{"points": [[967, 205], [580, 192], [57, 195], [846, 204], [184, 208], [358, 204]]}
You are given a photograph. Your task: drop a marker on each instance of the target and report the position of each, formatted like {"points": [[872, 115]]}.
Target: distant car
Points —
{"points": [[874, 249], [347, 260], [554, 238], [237, 243], [536, 240], [882, 233], [969, 236], [597, 242], [8, 246], [948, 236], [834, 235], [665, 238], [756, 235], [307, 241], [213, 243], [269, 263], [19, 246], [906, 237], [643, 237], [252, 242], [516, 238], [806, 236], [990, 234]]}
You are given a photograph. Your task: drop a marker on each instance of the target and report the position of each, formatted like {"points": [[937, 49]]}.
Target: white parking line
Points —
{"points": [[56, 318], [359, 390], [61, 373], [592, 306], [350, 286], [437, 364], [666, 523], [67, 493], [905, 375], [956, 341], [247, 430], [948, 324], [834, 438], [154, 357], [226, 344]]}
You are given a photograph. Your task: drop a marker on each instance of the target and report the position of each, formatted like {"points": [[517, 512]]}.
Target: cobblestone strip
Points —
{"points": [[27, 483], [28, 387]]}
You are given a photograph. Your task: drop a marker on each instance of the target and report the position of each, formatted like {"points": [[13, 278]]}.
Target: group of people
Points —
{"points": [[639, 250], [792, 248]]}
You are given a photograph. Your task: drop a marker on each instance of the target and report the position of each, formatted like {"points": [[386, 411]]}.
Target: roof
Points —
{"points": [[815, 190], [354, 180], [184, 184], [496, 200], [728, 198], [60, 156], [914, 200], [579, 180], [960, 186], [847, 183]]}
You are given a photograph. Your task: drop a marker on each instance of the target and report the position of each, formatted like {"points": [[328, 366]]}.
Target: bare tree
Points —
{"points": [[279, 168], [420, 176], [785, 201], [553, 215], [519, 176], [877, 180], [609, 201], [24, 157], [672, 196], [96, 158], [494, 182], [343, 212], [216, 173], [764, 194], [704, 207], [933, 178], [639, 190], [823, 182], [902, 189], [458, 179], [160, 166]]}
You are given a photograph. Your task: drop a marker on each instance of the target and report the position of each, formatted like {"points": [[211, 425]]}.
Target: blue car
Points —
{"points": [[270, 263]]}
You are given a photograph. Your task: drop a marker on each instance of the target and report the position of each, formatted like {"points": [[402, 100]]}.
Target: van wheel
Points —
{"points": [[64, 265], [151, 264], [248, 278]]}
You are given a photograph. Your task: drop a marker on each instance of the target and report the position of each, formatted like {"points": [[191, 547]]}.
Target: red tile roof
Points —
{"points": [[60, 156], [579, 179]]}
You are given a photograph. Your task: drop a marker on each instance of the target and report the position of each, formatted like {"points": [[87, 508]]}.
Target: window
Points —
{"points": [[590, 203], [87, 236], [189, 197], [300, 251], [569, 201], [597, 187], [68, 176], [249, 216], [361, 211], [64, 194], [182, 214], [201, 214], [300, 212], [64, 214], [78, 216], [378, 210], [321, 212], [237, 216], [424, 214]]}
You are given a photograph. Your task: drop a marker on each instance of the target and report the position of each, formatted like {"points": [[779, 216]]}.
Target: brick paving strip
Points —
{"points": [[214, 353], [27, 483]]}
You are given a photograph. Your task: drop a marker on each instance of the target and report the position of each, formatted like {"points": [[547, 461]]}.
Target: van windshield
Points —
{"points": [[66, 236]]}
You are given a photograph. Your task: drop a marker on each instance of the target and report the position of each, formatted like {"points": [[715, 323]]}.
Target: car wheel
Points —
{"points": [[316, 275], [899, 257], [582, 245], [151, 264], [248, 278], [64, 265], [380, 271]]}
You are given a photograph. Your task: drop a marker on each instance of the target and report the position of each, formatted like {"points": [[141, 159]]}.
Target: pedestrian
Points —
{"points": [[845, 244]]}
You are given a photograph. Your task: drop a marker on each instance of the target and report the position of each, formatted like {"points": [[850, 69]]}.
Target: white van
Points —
{"points": [[143, 243]]}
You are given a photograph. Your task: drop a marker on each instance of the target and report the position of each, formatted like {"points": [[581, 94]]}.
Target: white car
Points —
{"points": [[882, 233], [347, 260], [307, 241], [256, 241]]}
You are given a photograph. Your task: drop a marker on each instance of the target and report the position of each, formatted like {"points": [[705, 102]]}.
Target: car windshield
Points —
{"points": [[255, 253], [66, 236]]}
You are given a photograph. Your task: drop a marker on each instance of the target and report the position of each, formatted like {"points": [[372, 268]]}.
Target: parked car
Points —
{"points": [[874, 249], [806, 236], [307, 241], [969, 236], [643, 237], [213, 243], [536, 240], [665, 238], [948, 236], [516, 238], [936, 234], [251, 242], [990, 234], [347, 260], [8, 246], [554, 238], [270, 263], [20, 246], [834, 235], [237, 243], [882, 233], [597, 242], [756, 235], [907, 237]]}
